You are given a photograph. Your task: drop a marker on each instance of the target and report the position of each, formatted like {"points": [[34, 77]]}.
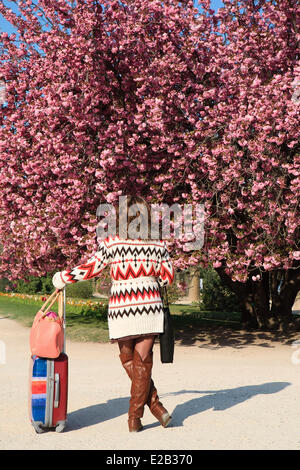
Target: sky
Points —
{"points": [[5, 26]]}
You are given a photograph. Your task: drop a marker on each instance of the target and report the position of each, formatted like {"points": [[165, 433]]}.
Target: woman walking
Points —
{"points": [[135, 311]]}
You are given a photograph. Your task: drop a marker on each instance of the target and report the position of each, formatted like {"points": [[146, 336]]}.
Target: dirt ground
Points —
{"points": [[224, 391]]}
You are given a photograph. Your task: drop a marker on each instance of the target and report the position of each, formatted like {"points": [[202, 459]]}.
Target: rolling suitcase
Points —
{"points": [[48, 388]]}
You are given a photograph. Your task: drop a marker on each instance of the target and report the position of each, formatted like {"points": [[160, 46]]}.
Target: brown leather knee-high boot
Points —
{"points": [[126, 360], [140, 387], [155, 406]]}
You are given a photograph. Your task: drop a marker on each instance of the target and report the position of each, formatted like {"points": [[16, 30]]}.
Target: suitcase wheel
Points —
{"points": [[61, 426], [37, 427]]}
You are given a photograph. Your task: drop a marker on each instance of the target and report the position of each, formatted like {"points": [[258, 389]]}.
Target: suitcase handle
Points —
{"points": [[56, 396]]}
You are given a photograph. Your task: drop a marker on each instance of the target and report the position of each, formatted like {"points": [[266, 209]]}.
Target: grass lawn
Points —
{"points": [[187, 319], [79, 327]]}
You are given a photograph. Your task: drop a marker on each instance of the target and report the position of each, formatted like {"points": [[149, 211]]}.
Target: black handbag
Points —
{"points": [[166, 339]]}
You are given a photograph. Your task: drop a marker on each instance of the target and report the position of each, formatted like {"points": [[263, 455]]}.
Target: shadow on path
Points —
{"points": [[216, 337], [219, 400], [95, 414], [213, 399]]}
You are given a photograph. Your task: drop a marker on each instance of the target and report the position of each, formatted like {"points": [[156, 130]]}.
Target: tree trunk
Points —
{"points": [[261, 300], [244, 291], [285, 287], [194, 287], [267, 303]]}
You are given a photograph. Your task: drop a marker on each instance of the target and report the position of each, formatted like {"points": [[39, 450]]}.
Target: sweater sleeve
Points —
{"points": [[85, 271], [166, 271]]}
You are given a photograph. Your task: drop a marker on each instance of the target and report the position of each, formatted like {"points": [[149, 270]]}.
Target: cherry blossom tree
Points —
{"points": [[164, 100], [255, 158]]}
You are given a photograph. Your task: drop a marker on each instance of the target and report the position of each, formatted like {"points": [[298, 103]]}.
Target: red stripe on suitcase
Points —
{"points": [[39, 386]]}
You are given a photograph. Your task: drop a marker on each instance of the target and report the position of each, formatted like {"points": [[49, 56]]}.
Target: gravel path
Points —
{"points": [[241, 397]]}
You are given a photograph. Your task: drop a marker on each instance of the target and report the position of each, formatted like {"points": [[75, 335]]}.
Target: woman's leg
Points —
{"points": [[141, 380], [144, 346], [126, 348]]}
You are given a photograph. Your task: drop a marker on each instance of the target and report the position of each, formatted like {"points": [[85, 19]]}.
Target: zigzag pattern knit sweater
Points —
{"points": [[137, 268]]}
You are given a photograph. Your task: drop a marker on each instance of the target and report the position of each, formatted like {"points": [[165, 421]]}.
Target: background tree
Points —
{"points": [[165, 101], [215, 295], [257, 152]]}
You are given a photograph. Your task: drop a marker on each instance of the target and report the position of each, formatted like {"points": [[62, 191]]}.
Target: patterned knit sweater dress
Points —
{"points": [[137, 268]]}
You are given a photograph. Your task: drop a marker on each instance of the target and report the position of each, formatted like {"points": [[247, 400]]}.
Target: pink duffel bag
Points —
{"points": [[47, 332]]}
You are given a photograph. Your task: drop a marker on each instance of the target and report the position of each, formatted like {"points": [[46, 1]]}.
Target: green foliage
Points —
{"points": [[47, 286], [94, 310], [5, 283], [216, 296], [81, 289], [35, 285], [31, 285], [43, 285]]}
